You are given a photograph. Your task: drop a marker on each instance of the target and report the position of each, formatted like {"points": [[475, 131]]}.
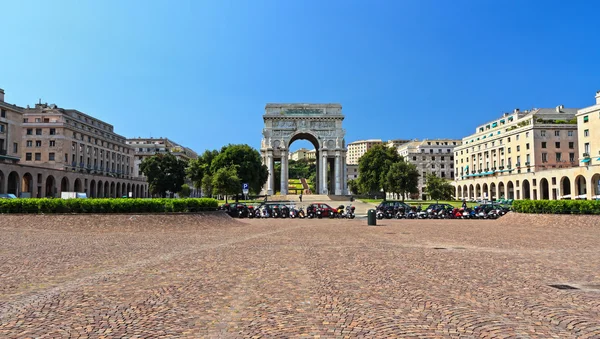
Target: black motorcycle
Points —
{"points": [[285, 211], [311, 212], [276, 213], [350, 212]]}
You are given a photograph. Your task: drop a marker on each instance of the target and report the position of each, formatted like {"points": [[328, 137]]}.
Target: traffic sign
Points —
{"points": [[245, 187]]}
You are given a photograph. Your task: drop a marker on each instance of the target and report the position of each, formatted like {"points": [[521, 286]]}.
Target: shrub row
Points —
{"points": [[557, 206], [106, 205]]}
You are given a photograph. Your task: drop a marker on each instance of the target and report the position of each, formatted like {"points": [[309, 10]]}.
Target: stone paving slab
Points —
{"points": [[207, 276]]}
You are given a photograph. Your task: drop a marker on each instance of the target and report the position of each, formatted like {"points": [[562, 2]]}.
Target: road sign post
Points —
{"points": [[245, 188]]}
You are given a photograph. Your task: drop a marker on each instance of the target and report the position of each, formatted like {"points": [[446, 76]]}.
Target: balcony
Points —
{"points": [[527, 164], [586, 155]]}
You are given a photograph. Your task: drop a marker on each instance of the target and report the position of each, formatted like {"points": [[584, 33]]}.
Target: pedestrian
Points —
{"points": [[300, 197], [464, 204]]}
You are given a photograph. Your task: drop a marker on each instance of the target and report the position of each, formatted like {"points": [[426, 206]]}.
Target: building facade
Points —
{"points": [[301, 154], [48, 150], [559, 147], [430, 156], [146, 147], [356, 149]]}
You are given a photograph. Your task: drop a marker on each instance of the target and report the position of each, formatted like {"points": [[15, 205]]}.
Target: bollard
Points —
{"points": [[371, 217]]}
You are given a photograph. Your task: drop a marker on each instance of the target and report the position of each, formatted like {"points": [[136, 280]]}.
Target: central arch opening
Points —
{"points": [[302, 166]]}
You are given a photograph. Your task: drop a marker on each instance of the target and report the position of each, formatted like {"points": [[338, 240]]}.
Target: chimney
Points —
{"points": [[597, 96], [516, 110], [2, 95], [559, 108]]}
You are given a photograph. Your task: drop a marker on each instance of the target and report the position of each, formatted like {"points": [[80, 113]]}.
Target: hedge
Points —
{"points": [[106, 205], [557, 206]]}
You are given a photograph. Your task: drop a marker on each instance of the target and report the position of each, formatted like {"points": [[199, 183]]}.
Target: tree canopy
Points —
{"points": [[165, 173], [246, 161], [200, 167], [439, 188], [225, 181], [403, 178], [374, 166]]}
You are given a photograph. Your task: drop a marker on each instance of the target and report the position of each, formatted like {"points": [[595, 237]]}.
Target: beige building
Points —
{"points": [[519, 142], [48, 150], [300, 154], [67, 139], [430, 156], [569, 170], [588, 134], [10, 131], [146, 147], [356, 149]]}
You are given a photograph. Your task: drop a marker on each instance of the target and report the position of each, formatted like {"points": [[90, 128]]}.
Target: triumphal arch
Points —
{"points": [[321, 124]]}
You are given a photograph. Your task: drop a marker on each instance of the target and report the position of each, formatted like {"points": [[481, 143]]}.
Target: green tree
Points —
{"points": [[185, 191], [373, 167], [247, 162], [198, 168], [403, 178], [207, 187], [165, 173], [225, 181], [353, 185], [439, 188]]}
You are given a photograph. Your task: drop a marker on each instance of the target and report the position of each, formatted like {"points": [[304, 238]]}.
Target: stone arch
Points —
{"points": [[526, 189], [64, 185], [123, 189], [27, 184], [485, 191], [565, 188], [118, 190], [595, 181], [100, 190], [12, 186], [510, 190], [471, 192], [459, 191], [113, 191], [1, 182], [501, 190], [129, 189], [50, 186], [544, 189], [478, 192], [77, 186], [580, 187], [92, 188], [106, 189], [321, 125]]}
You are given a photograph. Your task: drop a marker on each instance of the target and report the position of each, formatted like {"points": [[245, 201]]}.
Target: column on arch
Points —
{"points": [[338, 173], [323, 169], [284, 172], [271, 178]]}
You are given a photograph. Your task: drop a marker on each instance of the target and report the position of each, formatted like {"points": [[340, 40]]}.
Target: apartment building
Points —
{"points": [[10, 131], [430, 156], [564, 156], [146, 147], [301, 154], [68, 139], [47, 150], [588, 134], [521, 141], [356, 149]]}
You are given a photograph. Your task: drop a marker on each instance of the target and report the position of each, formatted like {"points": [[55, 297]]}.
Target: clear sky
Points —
{"points": [[201, 72]]}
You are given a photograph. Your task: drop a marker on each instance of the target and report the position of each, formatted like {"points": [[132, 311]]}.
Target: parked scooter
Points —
{"points": [[285, 211], [276, 212], [311, 212], [350, 212], [251, 212]]}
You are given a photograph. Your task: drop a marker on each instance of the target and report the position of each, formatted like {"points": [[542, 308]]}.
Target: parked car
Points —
{"points": [[326, 210], [8, 196]]}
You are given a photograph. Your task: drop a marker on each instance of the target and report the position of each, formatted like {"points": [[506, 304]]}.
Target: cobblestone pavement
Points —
{"points": [[213, 277]]}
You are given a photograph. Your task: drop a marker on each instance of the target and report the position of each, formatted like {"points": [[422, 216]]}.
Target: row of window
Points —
{"points": [[38, 156], [38, 143], [432, 158], [542, 133]]}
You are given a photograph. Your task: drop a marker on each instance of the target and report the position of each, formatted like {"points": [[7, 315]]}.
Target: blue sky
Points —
{"points": [[201, 72]]}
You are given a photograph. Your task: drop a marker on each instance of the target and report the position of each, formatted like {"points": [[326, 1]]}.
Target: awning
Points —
{"points": [[568, 196], [586, 160], [498, 132], [466, 167], [583, 196], [491, 134], [502, 121], [495, 124], [598, 159]]}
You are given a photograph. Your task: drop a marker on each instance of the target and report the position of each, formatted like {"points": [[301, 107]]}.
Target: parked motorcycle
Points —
{"points": [[285, 211], [276, 212], [350, 212], [251, 212], [311, 212]]}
